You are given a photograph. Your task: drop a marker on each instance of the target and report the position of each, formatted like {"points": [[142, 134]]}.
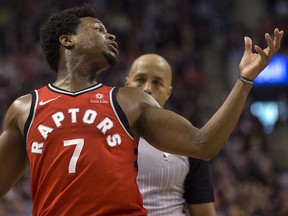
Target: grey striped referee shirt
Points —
{"points": [[161, 179]]}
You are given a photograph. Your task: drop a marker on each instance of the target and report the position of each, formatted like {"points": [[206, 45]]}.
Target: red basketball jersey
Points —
{"points": [[83, 156]]}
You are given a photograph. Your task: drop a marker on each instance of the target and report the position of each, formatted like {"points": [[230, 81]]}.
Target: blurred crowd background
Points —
{"points": [[203, 41]]}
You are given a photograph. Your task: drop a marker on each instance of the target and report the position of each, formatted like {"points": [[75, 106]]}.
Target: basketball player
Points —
{"points": [[168, 182], [81, 136]]}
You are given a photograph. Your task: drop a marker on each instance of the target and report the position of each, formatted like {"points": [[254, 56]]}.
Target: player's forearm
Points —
{"points": [[172, 133], [218, 129]]}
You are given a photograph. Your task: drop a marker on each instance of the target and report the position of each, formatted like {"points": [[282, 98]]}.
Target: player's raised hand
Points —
{"points": [[253, 63]]}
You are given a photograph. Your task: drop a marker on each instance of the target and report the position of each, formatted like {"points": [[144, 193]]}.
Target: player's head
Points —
{"points": [[79, 31], [152, 74]]}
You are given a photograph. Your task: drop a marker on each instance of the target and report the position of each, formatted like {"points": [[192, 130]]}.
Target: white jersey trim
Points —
{"points": [[74, 93], [34, 113]]}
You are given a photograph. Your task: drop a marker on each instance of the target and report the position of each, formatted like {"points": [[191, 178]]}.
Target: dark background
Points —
{"points": [[203, 41]]}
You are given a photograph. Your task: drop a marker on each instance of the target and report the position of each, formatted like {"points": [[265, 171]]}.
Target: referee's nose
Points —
{"points": [[147, 88]]}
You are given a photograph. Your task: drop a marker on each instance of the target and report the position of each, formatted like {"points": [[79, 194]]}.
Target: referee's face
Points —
{"points": [[152, 75]]}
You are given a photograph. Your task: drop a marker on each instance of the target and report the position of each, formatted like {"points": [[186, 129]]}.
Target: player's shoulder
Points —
{"points": [[134, 95], [18, 111], [134, 103], [130, 91], [22, 100], [21, 105]]}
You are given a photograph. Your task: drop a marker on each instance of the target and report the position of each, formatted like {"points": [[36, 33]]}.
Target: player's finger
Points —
{"points": [[248, 44], [271, 47], [262, 53], [278, 38]]}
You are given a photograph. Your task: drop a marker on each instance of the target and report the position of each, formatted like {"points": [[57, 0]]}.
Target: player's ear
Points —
{"points": [[66, 41]]}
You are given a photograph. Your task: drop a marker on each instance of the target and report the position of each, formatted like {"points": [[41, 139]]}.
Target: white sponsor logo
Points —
{"points": [[48, 101], [99, 98]]}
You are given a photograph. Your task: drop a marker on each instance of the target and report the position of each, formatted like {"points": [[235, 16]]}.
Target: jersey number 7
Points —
{"points": [[77, 151]]}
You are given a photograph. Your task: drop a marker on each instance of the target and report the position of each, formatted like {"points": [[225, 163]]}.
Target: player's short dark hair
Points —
{"points": [[65, 22]]}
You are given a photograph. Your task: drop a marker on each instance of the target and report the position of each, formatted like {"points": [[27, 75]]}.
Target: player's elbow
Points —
{"points": [[207, 155], [208, 149], [3, 191]]}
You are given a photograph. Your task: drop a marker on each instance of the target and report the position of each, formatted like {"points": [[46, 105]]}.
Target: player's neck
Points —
{"points": [[75, 82]]}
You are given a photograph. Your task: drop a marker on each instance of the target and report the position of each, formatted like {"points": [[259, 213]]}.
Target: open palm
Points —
{"points": [[253, 63]]}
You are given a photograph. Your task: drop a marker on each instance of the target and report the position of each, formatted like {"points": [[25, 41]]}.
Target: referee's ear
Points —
{"points": [[169, 92], [127, 81]]}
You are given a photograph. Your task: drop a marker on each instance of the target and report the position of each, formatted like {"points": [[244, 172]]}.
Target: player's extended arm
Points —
{"points": [[170, 132], [13, 158]]}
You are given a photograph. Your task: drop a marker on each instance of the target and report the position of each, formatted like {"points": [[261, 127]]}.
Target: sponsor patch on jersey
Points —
{"points": [[42, 102], [98, 98]]}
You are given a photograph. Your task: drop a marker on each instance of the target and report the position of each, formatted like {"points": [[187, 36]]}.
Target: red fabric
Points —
{"points": [[102, 178]]}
